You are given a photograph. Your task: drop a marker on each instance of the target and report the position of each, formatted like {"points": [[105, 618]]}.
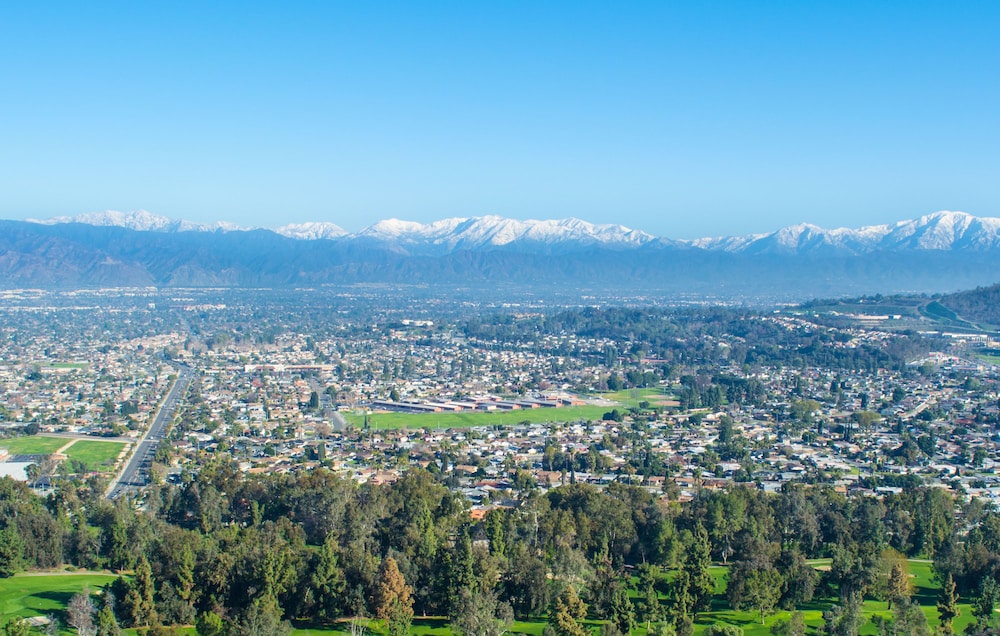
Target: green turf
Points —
{"points": [[33, 445], [68, 365], [28, 595], [465, 420], [629, 396], [95, 454]]}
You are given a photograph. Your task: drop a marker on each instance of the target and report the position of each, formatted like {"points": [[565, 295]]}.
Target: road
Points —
{"points": [[136, 471]]}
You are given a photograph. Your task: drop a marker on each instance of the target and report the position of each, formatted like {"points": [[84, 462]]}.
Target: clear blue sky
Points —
{"points": [[683, 119]]}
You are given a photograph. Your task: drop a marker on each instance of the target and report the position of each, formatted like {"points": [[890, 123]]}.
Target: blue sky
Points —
{"points": [[682, 119]]}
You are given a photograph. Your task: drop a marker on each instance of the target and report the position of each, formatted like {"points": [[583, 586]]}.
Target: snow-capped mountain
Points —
{"points": [[944, 251], [311, 231], [487, 232], [142, 221], [940, 231]]}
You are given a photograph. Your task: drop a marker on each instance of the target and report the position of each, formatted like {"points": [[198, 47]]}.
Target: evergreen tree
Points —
{"points": [[898, 585], [16, 626], [697, 572], [262, 618], [622, 610], [394, 603], [107, 624], [794, 626], [909, 620], [120, 551], [947, 605], [327, 582], [480, 614], [984, 605], [11, 552], [139, 603], [566, 613]]}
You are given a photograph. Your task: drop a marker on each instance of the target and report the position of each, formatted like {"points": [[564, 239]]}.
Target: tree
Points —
{"points": [[947, 605], [651, 609], [263, 618], [480, 614], [80, 613], [697, 572], [11, 552], [908, 620], [622, 610], [16, 626], [327, 581], [898, 586], [139, 604], [984, 605], [51, 626], [566, 613], [107, 624], [794, 626], [758, 589], [722, 630], [120, 554], [394, 602], [525, 583], [844, 619], [209, 624]]}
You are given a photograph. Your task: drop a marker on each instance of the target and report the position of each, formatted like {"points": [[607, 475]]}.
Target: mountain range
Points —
{"points": [[943, 251]]}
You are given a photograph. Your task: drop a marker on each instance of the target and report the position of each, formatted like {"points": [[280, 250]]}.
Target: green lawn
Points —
{"points": [[29, 595], [33, 445], [95, 454], [466, 420], [634, 396]]}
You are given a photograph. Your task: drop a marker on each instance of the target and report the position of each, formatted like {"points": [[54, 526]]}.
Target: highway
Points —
{"points": [[136, 471]]}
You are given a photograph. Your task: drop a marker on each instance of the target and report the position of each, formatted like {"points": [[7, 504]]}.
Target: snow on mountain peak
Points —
{"points": [[496, 231], [945, 230], [141, 221], [311, 231]]}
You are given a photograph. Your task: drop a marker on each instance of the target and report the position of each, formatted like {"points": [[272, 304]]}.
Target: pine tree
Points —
{"points": [[107, 624], [16, 626], [121, 550], [139, 603], [566, 614], [697, 571], [983, 606], [395, 601], [898, 584], [622, 610], [947, 605], [327, 580]]}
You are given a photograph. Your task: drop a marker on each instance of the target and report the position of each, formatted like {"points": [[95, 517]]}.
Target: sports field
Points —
{"points": [[97, 455], [392, 420], [33, 445]]}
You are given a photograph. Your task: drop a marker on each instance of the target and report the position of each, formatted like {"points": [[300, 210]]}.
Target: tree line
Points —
{"points": [[234, 553]]}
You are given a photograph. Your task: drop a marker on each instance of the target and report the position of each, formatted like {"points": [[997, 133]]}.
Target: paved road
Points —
{"points": [[136, 471]]}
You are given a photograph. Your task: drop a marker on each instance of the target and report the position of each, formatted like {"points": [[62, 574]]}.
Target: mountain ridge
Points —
{"points": [[935, 254], [944, 230]]}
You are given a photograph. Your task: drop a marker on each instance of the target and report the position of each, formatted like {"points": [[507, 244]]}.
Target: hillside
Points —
{"points": [[980, 305]]}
